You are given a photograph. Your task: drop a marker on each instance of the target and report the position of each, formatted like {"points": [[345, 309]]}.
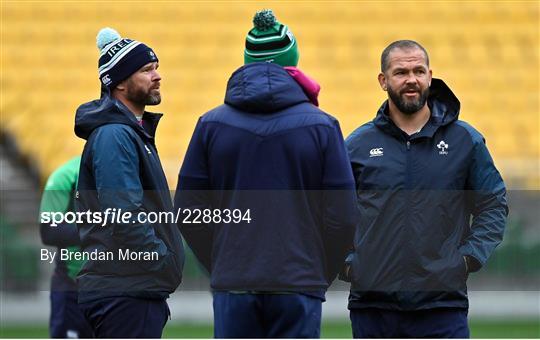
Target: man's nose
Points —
{"points": [[156, 76], [411, 78]]}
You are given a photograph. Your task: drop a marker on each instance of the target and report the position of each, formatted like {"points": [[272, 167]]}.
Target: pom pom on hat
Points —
{"points": [[270, 41], [264, 20], [106, 36]]}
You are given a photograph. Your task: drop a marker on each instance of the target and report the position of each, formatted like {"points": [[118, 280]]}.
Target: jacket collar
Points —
{"points": [[108, 110], [444, 107]]}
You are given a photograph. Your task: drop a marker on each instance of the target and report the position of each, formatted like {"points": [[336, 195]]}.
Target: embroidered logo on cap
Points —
{"points": [[106, 80]]}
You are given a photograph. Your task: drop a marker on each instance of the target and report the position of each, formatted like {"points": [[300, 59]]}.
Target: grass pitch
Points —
{"points": [[479, 329]]}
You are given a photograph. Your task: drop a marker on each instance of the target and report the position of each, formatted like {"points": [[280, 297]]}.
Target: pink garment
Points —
{"points": [[311, 87]]}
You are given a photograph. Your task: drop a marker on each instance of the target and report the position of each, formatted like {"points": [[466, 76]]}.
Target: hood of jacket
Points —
{"points": [[263, 88], [107, 110], [443, 104]]}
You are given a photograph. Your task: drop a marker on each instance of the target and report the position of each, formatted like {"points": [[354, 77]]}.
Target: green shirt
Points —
{"points": [[58, 197]]}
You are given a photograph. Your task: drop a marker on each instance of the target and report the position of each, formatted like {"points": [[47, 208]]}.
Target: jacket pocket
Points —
{"points": [[459, 270], [443, 274]]}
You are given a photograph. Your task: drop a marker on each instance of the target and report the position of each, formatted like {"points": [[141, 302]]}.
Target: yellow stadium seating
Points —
{"points": [[487, 52]]}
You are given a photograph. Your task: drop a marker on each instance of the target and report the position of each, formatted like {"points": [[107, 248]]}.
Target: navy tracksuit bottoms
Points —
{"points": [[428, 323], [67, 320], [266, 315], [126, 317]]}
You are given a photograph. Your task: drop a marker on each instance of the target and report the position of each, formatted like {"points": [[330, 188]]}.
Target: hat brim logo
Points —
{"points": [[106, 80]]}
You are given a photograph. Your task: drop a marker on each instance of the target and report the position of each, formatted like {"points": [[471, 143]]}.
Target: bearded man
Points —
{"points": [[121, 173], [432, 206]]}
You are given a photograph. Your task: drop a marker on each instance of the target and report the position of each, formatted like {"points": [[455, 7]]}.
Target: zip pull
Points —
{"points": [[408, 145]]}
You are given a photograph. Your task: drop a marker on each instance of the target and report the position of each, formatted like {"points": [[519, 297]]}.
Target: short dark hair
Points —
{"points": [[403, 45]]}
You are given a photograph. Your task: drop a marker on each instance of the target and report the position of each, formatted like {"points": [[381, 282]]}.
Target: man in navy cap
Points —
{"points": [[121, 172]]}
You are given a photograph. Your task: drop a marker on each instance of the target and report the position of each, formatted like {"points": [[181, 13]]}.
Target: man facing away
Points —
{"points": [[121, 172], [269, 150], [421, 174]]}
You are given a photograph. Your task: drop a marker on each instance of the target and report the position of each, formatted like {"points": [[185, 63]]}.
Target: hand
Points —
{"points": [[466, 264], [345, 273]]}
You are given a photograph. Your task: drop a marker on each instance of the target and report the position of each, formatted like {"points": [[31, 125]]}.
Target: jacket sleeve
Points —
{"points": [[56, 198], [340, 211], [192, 192], [487, 195], [61, 236], [115, 165]]}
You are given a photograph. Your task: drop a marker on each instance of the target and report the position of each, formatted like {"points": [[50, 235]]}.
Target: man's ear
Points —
{"points": [[121, 86], [382, 81]]}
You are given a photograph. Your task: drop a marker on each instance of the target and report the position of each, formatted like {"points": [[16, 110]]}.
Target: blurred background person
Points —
{"points": [[66, 319]]}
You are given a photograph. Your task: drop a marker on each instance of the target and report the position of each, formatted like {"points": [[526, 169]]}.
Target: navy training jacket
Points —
{"points": [[120, 168], [426, 201], [269, 150]]}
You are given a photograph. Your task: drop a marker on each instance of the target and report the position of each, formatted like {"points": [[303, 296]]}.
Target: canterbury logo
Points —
{"points": [[106, 80], [376, 152]]}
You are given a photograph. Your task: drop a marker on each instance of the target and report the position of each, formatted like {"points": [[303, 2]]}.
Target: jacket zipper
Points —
{"points": [[407, 231]]}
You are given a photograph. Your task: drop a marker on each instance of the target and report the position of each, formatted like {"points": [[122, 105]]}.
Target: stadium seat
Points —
{"points": [[486, 51]]}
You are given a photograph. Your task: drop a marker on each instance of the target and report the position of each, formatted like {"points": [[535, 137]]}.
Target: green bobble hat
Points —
{"points": [[269, 40]]}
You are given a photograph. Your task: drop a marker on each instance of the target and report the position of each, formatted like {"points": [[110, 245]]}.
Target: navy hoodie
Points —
{"points": [[426, 201], [269, 150], [120, 169]]}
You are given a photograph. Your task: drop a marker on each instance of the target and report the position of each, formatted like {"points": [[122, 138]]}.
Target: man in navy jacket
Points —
{"points": [[125, 297], [269, 150], [421, 174]]}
